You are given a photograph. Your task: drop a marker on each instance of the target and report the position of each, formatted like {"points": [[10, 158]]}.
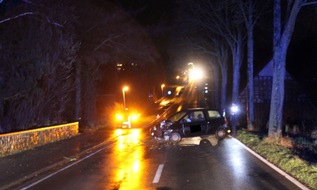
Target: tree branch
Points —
{"points": [[309, 3], [17, 16]]}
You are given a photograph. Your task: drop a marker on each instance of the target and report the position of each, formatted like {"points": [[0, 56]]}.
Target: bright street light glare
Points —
{"points": [[196, 74], [234, 109]]}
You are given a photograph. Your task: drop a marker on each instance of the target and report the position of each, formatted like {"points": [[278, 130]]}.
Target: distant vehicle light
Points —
{"points": [[119, 117], [164, 103], [135, 117], [127, 119], [234, 109]]}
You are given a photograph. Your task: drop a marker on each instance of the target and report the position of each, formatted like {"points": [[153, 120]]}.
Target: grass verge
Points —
{"points": [[281, 153]]}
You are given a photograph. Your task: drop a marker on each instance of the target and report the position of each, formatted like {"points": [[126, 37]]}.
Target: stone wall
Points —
{"points": [[18, 141]]}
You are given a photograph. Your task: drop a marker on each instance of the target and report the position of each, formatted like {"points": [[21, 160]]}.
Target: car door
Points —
{"points": [[214, 120], [194, 124]]}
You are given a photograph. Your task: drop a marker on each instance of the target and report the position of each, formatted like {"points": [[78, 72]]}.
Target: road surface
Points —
{"points": [[131, 160]]}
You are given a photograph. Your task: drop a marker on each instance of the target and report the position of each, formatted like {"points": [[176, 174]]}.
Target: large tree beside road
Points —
{"points": [[55, 54], [284, 24], [231, 20], [38, 51]]}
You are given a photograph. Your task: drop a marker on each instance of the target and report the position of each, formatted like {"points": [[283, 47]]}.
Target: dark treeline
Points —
{"points": [[57, 57]]}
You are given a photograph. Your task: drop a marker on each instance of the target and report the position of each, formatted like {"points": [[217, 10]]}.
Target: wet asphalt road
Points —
{"points": [[110, 159], [129, 159]]}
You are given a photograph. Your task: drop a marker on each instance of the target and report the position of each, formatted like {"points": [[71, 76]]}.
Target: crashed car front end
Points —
{"points": [[161, 132]]}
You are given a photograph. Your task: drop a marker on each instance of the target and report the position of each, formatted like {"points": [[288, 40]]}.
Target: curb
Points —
{"points": [[286, 175], [63, 162]]}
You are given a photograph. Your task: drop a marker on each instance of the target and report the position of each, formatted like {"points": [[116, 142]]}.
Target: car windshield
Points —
{"points": [[176, 116]]}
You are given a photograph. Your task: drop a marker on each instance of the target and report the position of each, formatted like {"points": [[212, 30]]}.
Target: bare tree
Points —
{"points": [[37, 81], [222, 19], [284, 23], [109, 36], [251, 10], [218, 54]]}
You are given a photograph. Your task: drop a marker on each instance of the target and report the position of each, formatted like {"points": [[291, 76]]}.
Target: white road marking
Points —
{"points": [[158, 173], [290, 178], [62, 169]]}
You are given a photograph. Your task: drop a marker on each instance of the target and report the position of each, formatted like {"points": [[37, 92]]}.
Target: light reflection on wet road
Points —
{"points": [[131, 162], [129, 154], [128, 159]]}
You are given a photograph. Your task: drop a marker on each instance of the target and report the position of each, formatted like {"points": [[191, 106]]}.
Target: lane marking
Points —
{"points": [[158, 173], [62, 169]]}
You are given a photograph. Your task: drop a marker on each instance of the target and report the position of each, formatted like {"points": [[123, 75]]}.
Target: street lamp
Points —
{"points": [[162, 87], [177, 78], [195, 73], [124, 89]]}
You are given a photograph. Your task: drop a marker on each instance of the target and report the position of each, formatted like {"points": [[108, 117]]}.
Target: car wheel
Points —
{"points": [[175, 137], [221, 134]]}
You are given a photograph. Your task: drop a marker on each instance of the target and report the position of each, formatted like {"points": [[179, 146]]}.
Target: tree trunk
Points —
{"points": [[223, 65], [224, 81], [277, 98], [250, 44], [214, 86], [237, 58], [277, 23], [279, 62]]}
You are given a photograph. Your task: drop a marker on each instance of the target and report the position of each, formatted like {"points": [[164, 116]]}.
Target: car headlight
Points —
{"points": [[119, 117], [134, 117]]}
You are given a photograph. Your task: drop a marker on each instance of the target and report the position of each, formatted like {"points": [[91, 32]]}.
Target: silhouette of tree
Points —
{"points": [[38, 51]]}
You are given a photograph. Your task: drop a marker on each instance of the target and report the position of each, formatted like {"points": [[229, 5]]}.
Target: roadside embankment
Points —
{"points": [[283, 153]]}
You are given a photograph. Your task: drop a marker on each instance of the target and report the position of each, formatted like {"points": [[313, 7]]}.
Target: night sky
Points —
{"points": [[163, 23], [301, 59]]}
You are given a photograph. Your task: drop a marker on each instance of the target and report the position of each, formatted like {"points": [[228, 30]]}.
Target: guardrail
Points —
{"points": [[11, 143]]}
